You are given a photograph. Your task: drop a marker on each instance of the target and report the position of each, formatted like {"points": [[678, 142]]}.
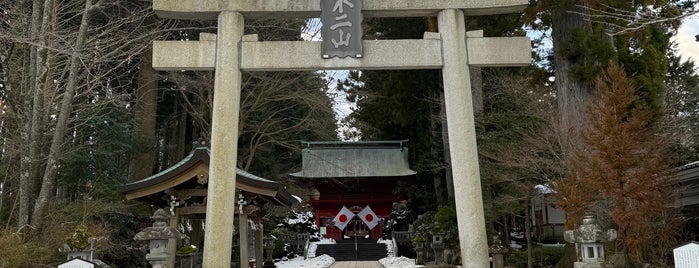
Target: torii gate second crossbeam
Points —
{"points": [[229, 52]]}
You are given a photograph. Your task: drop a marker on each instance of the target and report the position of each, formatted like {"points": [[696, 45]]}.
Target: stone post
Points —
{"points": [[438, 247], [269, 249], [497, 250], [420, 252], [221, 195], [462, 136], [157, 236], [258, 243], [243, 223], [172, 242]]}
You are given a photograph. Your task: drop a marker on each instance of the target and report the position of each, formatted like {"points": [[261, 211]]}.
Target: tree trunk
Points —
{"points": [[141, 164], [49, 177], [572, 94], [445, 144], [436, 136], [32, 99], [433, 26], [476, 89], [527, 233]]}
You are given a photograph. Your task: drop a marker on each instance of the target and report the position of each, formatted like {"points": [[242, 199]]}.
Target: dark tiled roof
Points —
{"points": [[200, 155], [355, 159]]}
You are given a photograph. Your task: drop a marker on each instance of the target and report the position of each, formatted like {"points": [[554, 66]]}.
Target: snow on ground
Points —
{"points": [[322, 261], [325, 261], [398, 262]]}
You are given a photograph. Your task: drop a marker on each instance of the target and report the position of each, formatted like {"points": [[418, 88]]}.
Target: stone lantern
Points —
{"points": [[497, 251], [268, 244], [157, 235], [420, 251], [589, 241], [438, 247]]}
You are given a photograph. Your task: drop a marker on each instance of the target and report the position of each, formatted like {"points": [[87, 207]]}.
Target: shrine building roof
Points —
{"points": [[336, 159], [192, 174], [687, 178]]}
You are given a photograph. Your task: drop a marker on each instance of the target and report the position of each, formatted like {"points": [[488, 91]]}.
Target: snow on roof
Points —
{"points": [[544, 189], [689, 166]]}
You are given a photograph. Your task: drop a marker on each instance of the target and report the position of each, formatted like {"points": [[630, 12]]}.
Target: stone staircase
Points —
{"points": [[344, 250]]}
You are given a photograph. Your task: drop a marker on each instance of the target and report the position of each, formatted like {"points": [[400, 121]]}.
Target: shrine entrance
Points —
{"points": [[354, 185], [356, 228]]}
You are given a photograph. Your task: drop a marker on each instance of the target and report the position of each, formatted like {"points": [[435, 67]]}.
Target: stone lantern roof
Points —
{"points": [[589, 232], [160, 228]]}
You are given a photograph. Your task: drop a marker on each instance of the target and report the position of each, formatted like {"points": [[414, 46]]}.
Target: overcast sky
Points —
{"points": [[686, 42]]}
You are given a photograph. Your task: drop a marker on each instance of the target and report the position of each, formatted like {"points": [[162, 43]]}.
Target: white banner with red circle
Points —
{"points": [[369, 217], [342, 219]]}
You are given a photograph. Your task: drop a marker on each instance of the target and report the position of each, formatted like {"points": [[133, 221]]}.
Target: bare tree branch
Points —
{"points": [[621, 21]]}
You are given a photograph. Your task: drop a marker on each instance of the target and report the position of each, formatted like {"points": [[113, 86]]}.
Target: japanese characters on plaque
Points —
{"points": [[342, 28]]}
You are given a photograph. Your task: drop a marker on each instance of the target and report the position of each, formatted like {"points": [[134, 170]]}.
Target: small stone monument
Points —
{"points": [[589, 241], [157, 235], [438, 247], [687, 256], [80, 246], [497, 250], [420, 251]]}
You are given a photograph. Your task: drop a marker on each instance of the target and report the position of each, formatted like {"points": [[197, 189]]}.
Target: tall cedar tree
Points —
{"points": [[622, 167], [581, 50]]}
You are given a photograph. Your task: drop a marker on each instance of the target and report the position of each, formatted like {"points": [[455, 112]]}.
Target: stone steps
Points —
{"points": [[344, 250]]}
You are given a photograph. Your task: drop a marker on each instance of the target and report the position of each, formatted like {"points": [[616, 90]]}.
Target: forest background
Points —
{"points": [[82, 112]]}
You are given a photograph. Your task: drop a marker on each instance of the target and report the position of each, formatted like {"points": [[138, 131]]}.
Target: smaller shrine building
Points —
{"points": [[183, 188]]}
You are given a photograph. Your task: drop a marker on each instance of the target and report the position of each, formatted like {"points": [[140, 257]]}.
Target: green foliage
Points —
{"points": [[187, 249], [79, 238], [588, 54], [95, 162], [446, 218], [541, 256], [644, 57]]}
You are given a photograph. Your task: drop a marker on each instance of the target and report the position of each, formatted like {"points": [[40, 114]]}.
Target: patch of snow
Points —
{"points": [[325, 261], [398, 262], [389, 246], [556, 245], [514, 244], [322, 261]]}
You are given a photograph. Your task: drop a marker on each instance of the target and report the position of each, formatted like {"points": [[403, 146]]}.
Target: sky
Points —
{"points": [[686, 42]]}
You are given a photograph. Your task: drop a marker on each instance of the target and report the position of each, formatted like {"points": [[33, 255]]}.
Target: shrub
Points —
{"points": [[17, 253], [542, 257]]}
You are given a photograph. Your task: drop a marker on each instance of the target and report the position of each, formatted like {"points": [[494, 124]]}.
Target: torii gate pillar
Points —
{"points": [[462, 136], [221, 197]]}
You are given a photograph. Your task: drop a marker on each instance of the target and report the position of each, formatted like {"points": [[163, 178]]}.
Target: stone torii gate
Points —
{"points": [[229, 51]]}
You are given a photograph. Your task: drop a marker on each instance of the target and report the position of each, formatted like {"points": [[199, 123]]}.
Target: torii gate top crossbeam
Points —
{"points": [[209, 9]]}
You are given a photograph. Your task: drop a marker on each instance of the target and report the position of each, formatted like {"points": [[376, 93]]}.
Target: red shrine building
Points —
{"points": [[354, 185]]}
